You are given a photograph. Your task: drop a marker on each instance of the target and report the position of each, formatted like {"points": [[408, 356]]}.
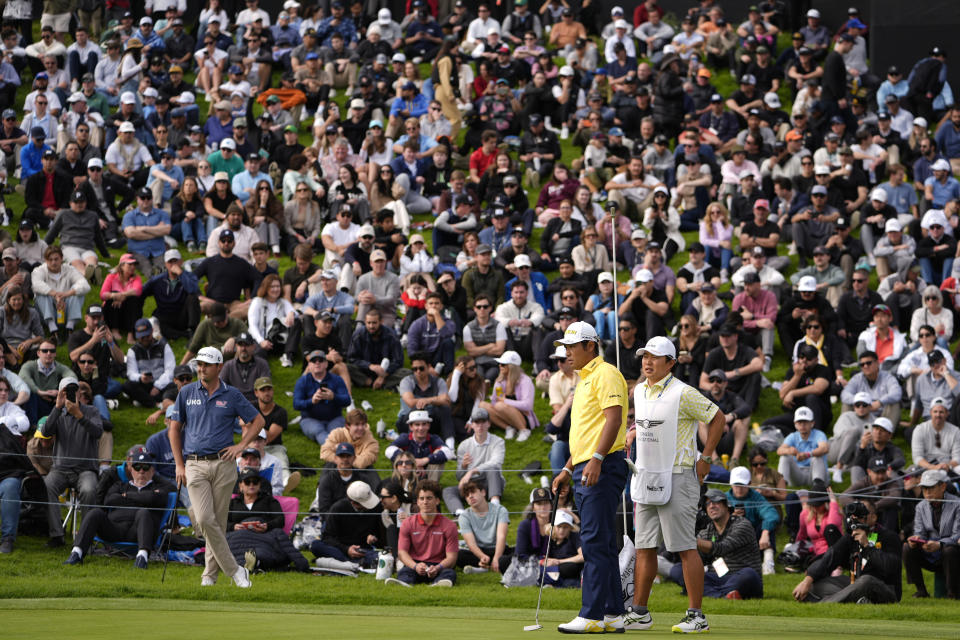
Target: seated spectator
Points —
{"points": [[241, 371], [479, 461], [882, 387], [357, 433], [132, 512], [427, 392], [378, 289], [145, 228], [46, 190], [511, 401], [522, 317], [933, 544], [122, 296], [894, 250], [375, 356], [421, 559], [351, 532], [851, 432], [483, 526], [254, 508], [76, 428], [873, 552], [935, 444], [736, 415], [79, 231], [59, 290], [884, 342], [901, 291], [740, 364], [936, 251], [749, 503], [270, 317], [691, 348], [217, 330], [731, 539], [601, 305], [176, 294], [20, 324], [244, 236], [828, 277], [150, 364], [716, 235], [709, 311], [434, 335], [935, 315], [820, 523], [484, 337], [803, 452], [562, 563], [320, 397], [334, 482], [43, 377]]}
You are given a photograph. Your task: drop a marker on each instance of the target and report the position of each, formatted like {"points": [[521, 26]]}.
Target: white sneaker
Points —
{"points": [[768, 568], [242, 578], [469, 569], [837, 475], [633, 621], [366, 406], [442, 582], [613, 624], [397, 582], [112, 404], [582, 625], [767, 361], [285, 361], [692, 623], [510, 433], [207, 582], [523, 436]]}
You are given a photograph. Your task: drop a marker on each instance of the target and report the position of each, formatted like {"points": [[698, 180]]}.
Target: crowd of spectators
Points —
{"points": [[200, 190]]}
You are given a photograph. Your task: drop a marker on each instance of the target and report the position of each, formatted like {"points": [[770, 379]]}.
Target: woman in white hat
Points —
{"points": [[511, 403]]}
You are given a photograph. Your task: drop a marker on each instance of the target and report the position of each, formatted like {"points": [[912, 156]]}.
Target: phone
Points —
{"points": [[71, 392]]}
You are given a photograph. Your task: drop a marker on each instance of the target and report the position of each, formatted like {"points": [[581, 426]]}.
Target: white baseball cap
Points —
{"points": [[95, 162], [367, 230], [360, 492], [576, 333], [605, 276], [522, 260], [228, 143], [150, 92], [171, 254], [862, 396], [127, 127], [920, 121], [740, 475], [892, 225], [644, 275], [418, 416], [813, 13], [384, 16], [560, 353], [941, 165], [658, 346], [772, 100], [932, 217], [803, 414], [186, 98], [66, 382], [563, 517], [933, 477], [638, 234], [621, 24], [878, 194], [210, 355], [807, 283], [823, 170], [509, 357], [127, 97], [566, 70], [883, 423]]}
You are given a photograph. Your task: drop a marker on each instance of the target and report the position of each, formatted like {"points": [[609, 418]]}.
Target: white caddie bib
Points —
{"points": [[656, 442]]}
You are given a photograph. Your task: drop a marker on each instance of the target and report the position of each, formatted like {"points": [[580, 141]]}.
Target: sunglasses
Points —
{"points": [[867, 363], [936, 439], [625, 328], [419, 368], [87, 361], [481, 306], [314, 360], [405, 463], [385, 497], [185, 378], [303, 190], [686, 325], [141, 467], [759, 463], [859, 279], [251, 481], [814, 326], [926, 335], [861, 404], [931, 298], [716, 379], [47, 350]]}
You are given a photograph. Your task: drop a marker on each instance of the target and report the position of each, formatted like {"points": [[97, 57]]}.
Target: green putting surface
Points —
{"points": [[98, 618]]}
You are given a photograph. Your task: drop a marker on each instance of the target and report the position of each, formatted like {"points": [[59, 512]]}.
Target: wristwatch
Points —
{"points": [[707, 459]]}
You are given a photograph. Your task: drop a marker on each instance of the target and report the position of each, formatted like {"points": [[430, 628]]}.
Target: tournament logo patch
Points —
{"points": [[648, 424], [221, 404]]}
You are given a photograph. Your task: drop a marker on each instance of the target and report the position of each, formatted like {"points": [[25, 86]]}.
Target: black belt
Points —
{"points": [[210, 456]]}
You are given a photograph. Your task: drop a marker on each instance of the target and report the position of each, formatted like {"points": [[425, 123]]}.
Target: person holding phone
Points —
{"points": [[936, 530]]}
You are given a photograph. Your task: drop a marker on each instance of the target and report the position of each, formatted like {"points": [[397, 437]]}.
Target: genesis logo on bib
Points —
{"points": [[648, 424]]}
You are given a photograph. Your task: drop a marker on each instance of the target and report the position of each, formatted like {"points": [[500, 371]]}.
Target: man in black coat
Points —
{"points": [[39, 210], [353, 529], [132, 512]]}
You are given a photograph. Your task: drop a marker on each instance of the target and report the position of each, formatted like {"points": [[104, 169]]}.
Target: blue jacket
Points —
{"points": [[416, 107], [171, 295], [31, 159], [433, 448], [761, 514], [540, 284], [399, 166], [307, 385], [425, 338]]}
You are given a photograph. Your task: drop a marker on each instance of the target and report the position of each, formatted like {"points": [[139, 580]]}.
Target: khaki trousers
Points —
{"points": [[210, 485]]}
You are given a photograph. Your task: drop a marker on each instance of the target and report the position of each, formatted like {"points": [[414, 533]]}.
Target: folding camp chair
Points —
{"points": [[130, 548]]}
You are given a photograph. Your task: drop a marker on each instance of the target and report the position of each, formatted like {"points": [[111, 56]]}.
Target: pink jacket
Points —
{"points": [[809, 531], [112, 284]]}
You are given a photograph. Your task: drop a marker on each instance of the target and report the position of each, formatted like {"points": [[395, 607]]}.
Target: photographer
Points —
{"points": [[871, 553]]}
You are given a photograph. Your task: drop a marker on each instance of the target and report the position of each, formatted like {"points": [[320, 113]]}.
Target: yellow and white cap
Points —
{"points": [[577, 332]]}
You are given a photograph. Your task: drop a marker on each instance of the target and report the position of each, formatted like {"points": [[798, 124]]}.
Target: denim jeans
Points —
{"points": [[9, 507], [48, 309], [194, 231], [719, 256], [926, 267], [318, 430], [606, 323], [559, 454]]}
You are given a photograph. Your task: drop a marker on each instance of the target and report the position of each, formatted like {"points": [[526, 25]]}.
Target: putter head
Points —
{"points": [[533, 627]]}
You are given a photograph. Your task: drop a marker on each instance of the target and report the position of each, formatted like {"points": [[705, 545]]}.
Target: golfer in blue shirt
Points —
{"points": [[201, 430]]}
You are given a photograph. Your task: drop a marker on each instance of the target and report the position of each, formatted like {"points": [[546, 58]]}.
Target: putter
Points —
{"points": [[553, 511], [169, 536]]}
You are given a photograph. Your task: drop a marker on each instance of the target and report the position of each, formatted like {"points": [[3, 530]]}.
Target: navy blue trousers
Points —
{"points": [[602, 593]]}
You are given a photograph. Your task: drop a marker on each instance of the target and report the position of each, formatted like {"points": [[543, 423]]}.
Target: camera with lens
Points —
{"points": [[856, 514]]}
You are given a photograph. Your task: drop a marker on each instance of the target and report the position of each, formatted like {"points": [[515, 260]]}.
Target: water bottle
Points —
{"points": [[60, 315], [381, 427], [384, 565], [385, 363]]}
